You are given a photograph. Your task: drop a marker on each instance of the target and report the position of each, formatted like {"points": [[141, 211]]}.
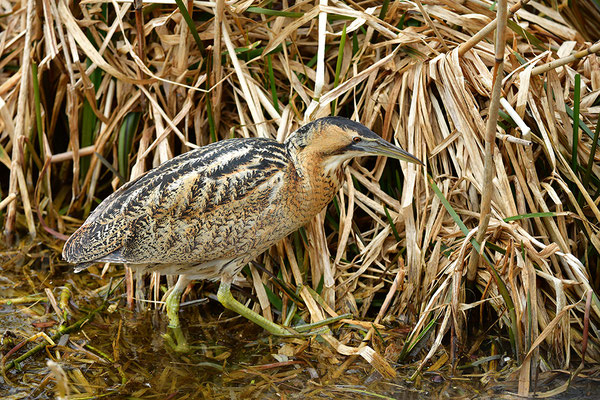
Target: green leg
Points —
{"points": [[228, 301], [172, 304]]}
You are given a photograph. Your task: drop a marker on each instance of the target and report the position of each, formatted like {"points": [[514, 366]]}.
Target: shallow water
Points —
{"points": [[122, 354]]}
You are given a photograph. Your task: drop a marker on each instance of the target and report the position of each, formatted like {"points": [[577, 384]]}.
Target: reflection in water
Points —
{"points": [[121, 353]]}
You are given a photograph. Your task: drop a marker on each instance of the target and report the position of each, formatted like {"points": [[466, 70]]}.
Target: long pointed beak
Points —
{"points": [[382, 148]]}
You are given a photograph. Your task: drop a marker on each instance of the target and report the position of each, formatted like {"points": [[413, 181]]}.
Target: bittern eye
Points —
{"points": [[356, 139]]}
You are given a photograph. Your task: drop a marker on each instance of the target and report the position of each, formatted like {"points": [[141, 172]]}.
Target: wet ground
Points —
{"points": [[123, 354], [108, 351]]}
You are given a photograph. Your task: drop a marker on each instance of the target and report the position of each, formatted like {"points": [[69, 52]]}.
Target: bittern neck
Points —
{"points": [[313, 162], [319, 178]]}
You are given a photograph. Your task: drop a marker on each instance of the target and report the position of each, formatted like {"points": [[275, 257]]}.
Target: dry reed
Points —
{"points": [[408, 70]]}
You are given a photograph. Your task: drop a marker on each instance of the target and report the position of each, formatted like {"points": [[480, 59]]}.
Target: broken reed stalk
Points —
{"points": [[5, 202], [478, 37], [490, 136], [139, 26], [315, 105], [430, 23], [566, 60], [16, 172], [217, 68], [586, 326], [320, 80]]}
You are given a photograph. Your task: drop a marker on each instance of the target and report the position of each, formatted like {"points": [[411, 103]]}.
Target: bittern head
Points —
{"points": [[334, 140]]}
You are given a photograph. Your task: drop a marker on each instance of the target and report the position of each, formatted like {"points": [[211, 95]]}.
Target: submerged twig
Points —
{"points": [[62, 331]]}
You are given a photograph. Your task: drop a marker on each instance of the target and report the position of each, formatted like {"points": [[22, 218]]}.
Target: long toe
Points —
{"points": [[176, 340]]}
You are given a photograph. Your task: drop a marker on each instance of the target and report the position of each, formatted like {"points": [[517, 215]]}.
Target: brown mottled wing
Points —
{"points": [[189, 209]]}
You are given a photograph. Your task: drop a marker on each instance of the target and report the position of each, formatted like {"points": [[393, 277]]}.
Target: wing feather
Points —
{"points": [[182, 193]]}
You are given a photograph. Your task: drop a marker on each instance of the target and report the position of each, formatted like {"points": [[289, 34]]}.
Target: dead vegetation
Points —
{"points": [[479, 259]]}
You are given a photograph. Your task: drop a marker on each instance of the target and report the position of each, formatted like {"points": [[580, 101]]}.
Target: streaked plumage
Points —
{"points": [[190, 210], [208, 212]]}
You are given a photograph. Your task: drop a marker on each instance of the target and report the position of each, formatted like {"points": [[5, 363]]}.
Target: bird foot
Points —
{"points": [[228, 301], [318, 328], [176, 341], [300, 331]]}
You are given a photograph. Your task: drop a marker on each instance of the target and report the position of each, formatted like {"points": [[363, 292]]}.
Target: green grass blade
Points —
{"points": [[5, 158], [450, 210], [392, 225], [127, 132], [588, 170], [277, 281], [384, 9], [291, 314], [211, 118], [582, 124], [188, 20], [506, 118], [530, 215], [510, 305], [411, 343], [576, 104], [276, 13], [338, 67], [209, 106], [401, 22], [526, 35], [271, 75], [38, 108], [519, 57], [275, 301], [337, 17], [109, 166], [480, 361]]}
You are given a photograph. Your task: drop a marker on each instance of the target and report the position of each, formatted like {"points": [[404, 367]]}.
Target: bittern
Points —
{"points": [[206, 213]]}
